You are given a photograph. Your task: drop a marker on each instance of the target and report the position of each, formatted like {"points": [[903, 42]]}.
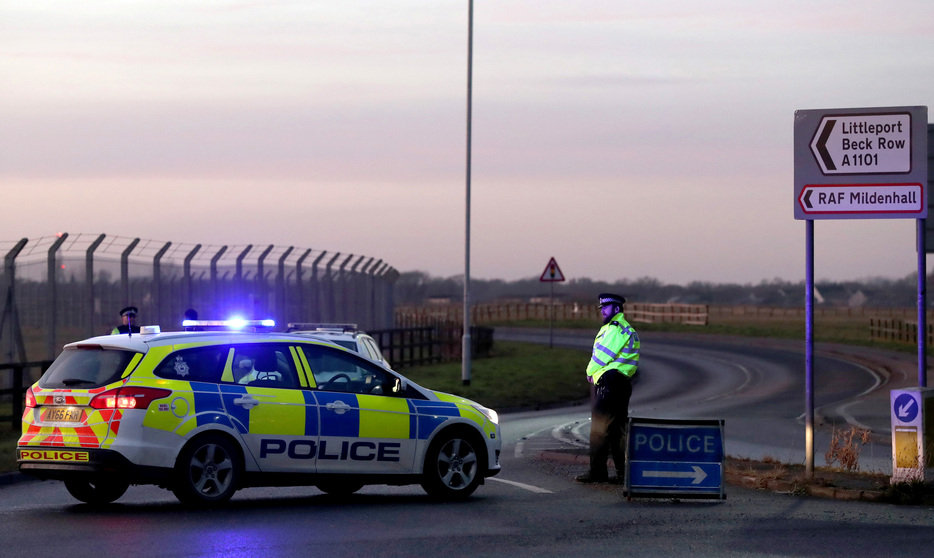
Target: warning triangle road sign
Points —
{"points": [[552, 272]]}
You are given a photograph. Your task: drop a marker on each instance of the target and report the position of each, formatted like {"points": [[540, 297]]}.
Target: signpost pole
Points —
{"points": [[551, 328], [922, 306], [809, 350]]}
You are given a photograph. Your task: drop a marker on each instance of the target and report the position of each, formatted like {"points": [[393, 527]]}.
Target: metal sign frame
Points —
{"points": [[865, 154], [673, 458]]}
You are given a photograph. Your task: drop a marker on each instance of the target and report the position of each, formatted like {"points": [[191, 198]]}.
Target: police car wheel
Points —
{"points": [[451, 467], [339, 488], [207, 471], [96, 491]]}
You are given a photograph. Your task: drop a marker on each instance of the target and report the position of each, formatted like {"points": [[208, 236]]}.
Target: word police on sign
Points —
{"points": [[861, 163], [668, 458]]}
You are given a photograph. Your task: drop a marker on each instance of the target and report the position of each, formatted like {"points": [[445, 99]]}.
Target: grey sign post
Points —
{"points": [[863, 163]]}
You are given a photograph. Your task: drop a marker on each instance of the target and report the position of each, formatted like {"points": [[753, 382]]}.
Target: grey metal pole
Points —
{"points": [[125, 270], [316, 287], [922, 306], [214, 308], [9, 294], [157, 284], [52, 289], [238, 280], [261, 286], [466, 343], [89, 279], [809, 351], [299, 287], [280, 286], [187, 270]]}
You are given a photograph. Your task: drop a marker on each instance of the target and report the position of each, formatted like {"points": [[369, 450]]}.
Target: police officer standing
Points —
{"points": [[127, 315], [614, 362]]}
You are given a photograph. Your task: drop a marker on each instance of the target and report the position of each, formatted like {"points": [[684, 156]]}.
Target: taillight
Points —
{"points": [[128, 398], [30, 399]]}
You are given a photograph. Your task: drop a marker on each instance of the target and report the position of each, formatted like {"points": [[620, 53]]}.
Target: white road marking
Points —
{"points": [[523, 486]]}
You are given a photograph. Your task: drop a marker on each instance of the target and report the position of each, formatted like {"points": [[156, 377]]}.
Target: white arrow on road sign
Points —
{"points": [[863, 144], [905, 410], [697, 474]]}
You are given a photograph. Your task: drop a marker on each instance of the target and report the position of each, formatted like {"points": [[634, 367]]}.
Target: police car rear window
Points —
{"points": [[86, 368], [201, 364]]}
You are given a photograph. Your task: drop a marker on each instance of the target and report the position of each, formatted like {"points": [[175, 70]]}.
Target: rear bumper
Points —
{"points": [[64, 463]]}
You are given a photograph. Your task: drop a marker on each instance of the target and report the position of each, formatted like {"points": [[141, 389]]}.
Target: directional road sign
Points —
{"points": [[862, 199], [905, 408], [861, 163], [864, 144], [668, 458]]}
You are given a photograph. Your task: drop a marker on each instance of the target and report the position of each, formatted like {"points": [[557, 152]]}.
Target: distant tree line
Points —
{"points": [[418, 288]]}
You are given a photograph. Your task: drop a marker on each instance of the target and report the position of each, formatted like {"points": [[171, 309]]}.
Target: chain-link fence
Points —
{"points": [[58, 289]]}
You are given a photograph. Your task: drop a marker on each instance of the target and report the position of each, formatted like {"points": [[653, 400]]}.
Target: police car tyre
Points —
{"points": [[208, 471], [452, 465], [96, 491]]}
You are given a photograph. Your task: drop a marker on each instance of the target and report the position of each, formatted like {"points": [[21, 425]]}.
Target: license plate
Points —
{"points": [[63, 414]]}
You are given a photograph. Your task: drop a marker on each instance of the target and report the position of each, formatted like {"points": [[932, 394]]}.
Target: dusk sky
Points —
{"points": [[624, 139]]}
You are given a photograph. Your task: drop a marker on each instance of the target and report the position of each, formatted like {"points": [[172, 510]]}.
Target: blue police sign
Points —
{"points": [[669, 458]]}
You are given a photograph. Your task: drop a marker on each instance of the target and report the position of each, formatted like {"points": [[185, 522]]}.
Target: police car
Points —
{"points": [[344, 334], [205, 413]]}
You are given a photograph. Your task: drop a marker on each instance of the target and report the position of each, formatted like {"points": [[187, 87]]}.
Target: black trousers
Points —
{"points": [[609, 411]]}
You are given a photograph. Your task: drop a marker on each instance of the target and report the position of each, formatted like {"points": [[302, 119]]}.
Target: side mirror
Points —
{"points": [[400, 386]]}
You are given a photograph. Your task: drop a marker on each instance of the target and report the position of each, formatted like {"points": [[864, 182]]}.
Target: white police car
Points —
{"points": [[344, 334], [205, 413]]}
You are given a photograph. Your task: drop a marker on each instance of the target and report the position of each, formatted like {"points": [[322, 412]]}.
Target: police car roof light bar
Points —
{"points": [[235, 324], [313, 326]]}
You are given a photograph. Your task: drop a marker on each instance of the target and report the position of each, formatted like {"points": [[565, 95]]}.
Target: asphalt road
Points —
{"points": [[533, 508], [758, 388]]}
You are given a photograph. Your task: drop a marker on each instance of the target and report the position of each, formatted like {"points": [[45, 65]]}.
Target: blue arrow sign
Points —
{"points": [[905, 408], [654, 474]]}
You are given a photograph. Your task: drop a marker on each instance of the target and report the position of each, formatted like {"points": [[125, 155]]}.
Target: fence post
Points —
{"points": [[280, 287], [186, 267], [89, 283], [156, 310], [213, 309], [52, 290], [300, 287]]}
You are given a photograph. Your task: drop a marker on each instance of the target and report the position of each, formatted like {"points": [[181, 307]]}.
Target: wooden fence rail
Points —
{"points": [[898, 331], [693, 314]]}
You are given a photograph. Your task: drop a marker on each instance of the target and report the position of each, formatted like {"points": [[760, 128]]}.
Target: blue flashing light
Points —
{"points": [[231, 324]]}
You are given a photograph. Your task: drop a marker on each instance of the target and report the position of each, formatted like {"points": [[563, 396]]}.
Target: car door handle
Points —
{"points": [[338, 407], [246, 401]]}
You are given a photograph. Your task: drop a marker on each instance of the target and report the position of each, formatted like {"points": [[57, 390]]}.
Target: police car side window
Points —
{"points": [[202, 364], [263, 365], [336, 370]]}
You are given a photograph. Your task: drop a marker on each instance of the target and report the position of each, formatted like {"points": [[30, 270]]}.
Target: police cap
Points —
{"points": [[129, 311], [610, 298]]}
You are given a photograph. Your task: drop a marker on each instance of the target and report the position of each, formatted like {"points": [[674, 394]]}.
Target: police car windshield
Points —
{"points": [[91, 367]]}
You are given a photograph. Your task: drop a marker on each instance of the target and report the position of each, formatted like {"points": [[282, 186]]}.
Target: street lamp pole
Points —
{"points": [[466, 344]]}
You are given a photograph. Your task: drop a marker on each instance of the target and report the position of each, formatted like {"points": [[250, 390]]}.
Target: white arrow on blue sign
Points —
{"points": [[905, 407], [649, 474]]}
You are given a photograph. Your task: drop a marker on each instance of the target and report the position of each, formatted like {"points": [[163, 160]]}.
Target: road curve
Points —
{"points": [[758, 387]]}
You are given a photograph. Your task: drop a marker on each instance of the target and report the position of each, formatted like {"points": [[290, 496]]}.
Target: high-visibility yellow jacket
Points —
{"points": [[616, 347]]}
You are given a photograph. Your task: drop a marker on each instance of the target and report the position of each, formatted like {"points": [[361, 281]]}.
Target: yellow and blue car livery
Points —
{"points": [[205, 413]]}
